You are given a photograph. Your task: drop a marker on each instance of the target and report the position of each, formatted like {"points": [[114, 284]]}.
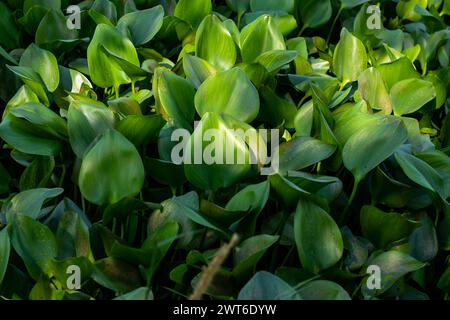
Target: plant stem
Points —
{"points": [[116, 91], [344, 215], [302, 30], [334, 24]]}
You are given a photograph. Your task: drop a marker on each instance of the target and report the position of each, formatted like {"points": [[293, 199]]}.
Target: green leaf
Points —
{"points": [[323, 290], [214, 43], [111, 170], [85, 122], [421, 173], [410, 95], [374, 91], [423, 242], [249, 252], [165, 172], [317, 236], [239, 6], [116, 275], [37, 174], [28, 138], [406, 9], [35, 244], [104, 73], [274, 60], [131, 69], [72, 236], [440, 162], [315, 13], [72, 80], [266, 286], [251, 198], [358, 251], [5, 248], [380, 141], [383, 228], [140, 130], [211, 172], [32, 80], [193, 11], [259, 37], [397, 71], [276, 110], [143, 25], [105, 9], [42, 62], [60, 270], [300, 153], [158, 245], [174, 97], [197, 70], [53, 32], [349, 4], [40, 115], [279, 5], [229, 92], [393, 266], [350, 57], [29, 202]]}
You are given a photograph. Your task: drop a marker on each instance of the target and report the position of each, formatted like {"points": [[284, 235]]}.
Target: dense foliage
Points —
{"points": [[357, 91]]}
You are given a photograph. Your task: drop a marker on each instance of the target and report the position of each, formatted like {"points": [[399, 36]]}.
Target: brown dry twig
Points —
{"points": [[214, 266]]}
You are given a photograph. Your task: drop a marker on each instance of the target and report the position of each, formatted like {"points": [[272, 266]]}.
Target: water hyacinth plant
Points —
{"points": [[227, 149]]}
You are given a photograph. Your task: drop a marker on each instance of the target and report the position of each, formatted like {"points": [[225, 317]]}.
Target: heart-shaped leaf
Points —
{"points": [[111, 170], [214, 43], [349, 58], [229, 92], [260, 36]]}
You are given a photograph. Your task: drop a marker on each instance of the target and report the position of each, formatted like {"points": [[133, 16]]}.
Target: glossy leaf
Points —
{"points": [[393, 265], [111, 170], [44, 63], [410, 95], [249, 252], [350, 57], [266, 286], [197, 70], [85, 122], [174, 98], [234, 95], [315, 13], [214, 44], [381, 142], [259, 37], [103, 73], [317, 236], [29, 202], [143, 25], [193, 11], [373, 90]]}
